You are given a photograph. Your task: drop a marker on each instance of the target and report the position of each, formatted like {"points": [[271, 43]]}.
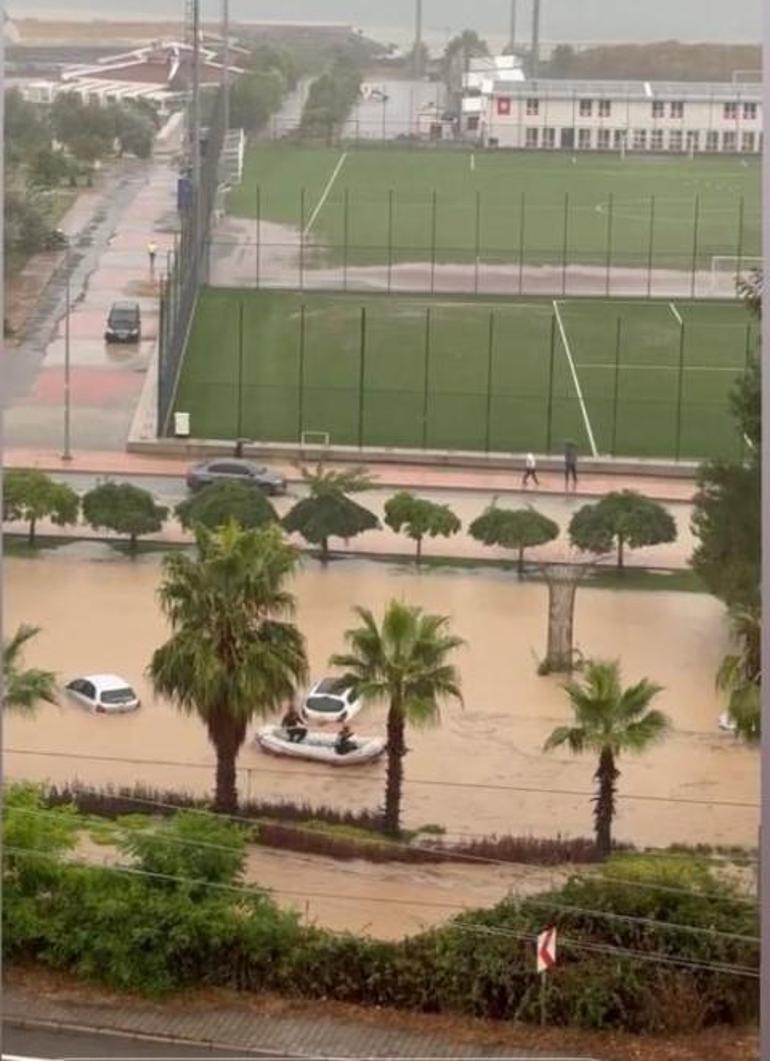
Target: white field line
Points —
{"points": [[677, 314], [473, 161], [325, 193], [576, 381], [663, 368]]}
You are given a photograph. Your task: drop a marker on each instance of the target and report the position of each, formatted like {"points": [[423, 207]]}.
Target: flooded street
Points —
{"points": [[101, 616]]}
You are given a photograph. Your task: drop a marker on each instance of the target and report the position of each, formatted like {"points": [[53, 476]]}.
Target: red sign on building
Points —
{"points": [[503, 105]]}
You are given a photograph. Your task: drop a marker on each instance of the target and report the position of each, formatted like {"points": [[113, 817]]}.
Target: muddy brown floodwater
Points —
{"points": [[102, 615]]}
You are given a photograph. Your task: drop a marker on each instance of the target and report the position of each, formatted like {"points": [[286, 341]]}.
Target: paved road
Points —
{"points": [[23, 1043]]}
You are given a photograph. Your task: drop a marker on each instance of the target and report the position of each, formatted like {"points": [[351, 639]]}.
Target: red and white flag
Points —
{"points": [[546, 949]]}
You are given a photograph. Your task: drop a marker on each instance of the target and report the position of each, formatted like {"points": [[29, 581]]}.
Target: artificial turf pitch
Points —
{"points": [[642, 378], [371, 205]]}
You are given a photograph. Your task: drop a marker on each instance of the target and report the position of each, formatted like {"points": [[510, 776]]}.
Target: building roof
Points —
{"points": [[162, 65], [558, 88]]}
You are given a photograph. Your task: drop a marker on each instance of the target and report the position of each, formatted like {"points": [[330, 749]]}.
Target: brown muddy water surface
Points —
{"points": [[102, 615]]}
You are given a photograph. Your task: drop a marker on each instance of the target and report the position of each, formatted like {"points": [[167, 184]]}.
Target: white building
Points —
{"points": [[616, 116], [486, 71]]}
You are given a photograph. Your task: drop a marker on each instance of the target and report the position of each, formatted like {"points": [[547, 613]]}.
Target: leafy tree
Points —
{"points": [[621, 519], [24, 688], [27, 228], [562, 61], [125, 509], [609, 721], [727, 523], [255, 97], [30, 495], [740, 673], [327, 511], [25, 128], [520, 529], [233, 653], [34, 839], [420, 517], [48, 168], [219, 503], [403, 661]]}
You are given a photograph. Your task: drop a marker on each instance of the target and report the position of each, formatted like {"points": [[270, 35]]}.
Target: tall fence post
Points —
{"points": [[679, 394], [522, 223], [301, 375], [302, 239], [162, 342], [239, 416], [490, 367], [608, 250], [616, 389], [258, 248], [345, 237], [426, 381], [390, 240], [433, 209], [551, 361], [477, 244], [565, 245], [362, 379], [739, 248], [695, 241], [651, 246]]}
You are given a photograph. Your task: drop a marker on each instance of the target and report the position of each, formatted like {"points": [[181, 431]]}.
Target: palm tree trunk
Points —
{"points": [[227, 735], [419, 550], [620, 552], [521, 560], [604, 811], [324, 550], [395, 773], [132, 543], [32, 524]]}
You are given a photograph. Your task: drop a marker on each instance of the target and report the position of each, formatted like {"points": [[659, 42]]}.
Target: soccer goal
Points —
{"points": [[315, 440], [728, 270]]}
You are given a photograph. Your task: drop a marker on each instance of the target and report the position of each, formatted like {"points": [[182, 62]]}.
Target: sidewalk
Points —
{"points": [[398, 476]]}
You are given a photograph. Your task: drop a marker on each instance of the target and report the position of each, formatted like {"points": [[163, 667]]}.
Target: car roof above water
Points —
{"points": [[106, 681]]}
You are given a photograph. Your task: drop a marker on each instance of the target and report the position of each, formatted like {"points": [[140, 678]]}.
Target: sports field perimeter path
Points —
{"points": [[406, 476]]}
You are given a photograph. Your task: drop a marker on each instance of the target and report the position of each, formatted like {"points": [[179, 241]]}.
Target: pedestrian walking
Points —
{"points": [[152, 252], [530, 471], [570, 466]]}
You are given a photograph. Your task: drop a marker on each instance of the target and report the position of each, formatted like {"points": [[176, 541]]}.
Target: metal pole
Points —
{"points": [[651, 246], [433, 243], [679, 395], [239, 419], [764, 834], [258, 246], [226, 63], [67, 454], [610, 212], [477, 244], [616, 391], [522, 217], [195, 115], [390, 239], [535, 58], [512, 27], [564, 246], [426, 381], [490, 365], [549, 414], [417, 56], [345, 236], [362, 379], [301, 375], [695, 234], [301, 239], [739, 249]]}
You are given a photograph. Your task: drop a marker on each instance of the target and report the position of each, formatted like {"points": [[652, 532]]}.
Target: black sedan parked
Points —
{"points": [[235, 470]]}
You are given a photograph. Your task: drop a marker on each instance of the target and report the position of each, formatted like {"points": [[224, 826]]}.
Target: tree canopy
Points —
{"points": [[327, 512], [30, 495], [24, 688], [621, 519], [419, 517], [125, 509], [219, 503], [518, 529]]}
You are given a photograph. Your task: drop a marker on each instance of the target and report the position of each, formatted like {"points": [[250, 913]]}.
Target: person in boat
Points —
{"points": [[345, 742], [292, 724]]}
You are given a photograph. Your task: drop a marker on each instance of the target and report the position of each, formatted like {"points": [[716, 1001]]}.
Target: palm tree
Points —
{"points": [[24, 689], [740, 673], [404, 662], [233, 653], [609, 720]]}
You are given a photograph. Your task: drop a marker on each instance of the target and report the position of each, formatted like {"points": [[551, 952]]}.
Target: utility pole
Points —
{"points": [[195, 123], [512, 30], [418, 71], [67, 451], [535, 59], [226, 62]]}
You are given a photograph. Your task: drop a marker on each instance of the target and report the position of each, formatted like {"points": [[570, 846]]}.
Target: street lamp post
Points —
{"points": [[67, 452]]}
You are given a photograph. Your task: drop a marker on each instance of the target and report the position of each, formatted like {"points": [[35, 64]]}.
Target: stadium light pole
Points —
{"points": [[512, 26], [226, 62], [535, 58], [195, 122], [764, 828], [417, 39], [67, 450]]}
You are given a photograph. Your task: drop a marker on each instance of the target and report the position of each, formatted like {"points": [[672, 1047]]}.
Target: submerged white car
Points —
{"points": [[104, 694], [330, 701]]}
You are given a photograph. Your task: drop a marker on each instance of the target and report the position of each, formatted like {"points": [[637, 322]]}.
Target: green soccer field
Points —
{"points": [[628, 378], [370, 206]]}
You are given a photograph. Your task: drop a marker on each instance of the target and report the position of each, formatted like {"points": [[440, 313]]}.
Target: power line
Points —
{"points": [[272, 771], [664, 959]]}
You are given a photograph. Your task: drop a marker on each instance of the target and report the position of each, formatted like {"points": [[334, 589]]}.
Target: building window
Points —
{"points": [[656, 140], [533, 107], [549, 137], [712, 140], [677, 109], [473, 123], [747, 142], [532, 138], [584, 139], [658, 108], [729, 141], [749, 111], [586, 108], [640, 139], [603, 140], [693, 140], [618, 138], [675, 140], [605, 108], [730, 112]]}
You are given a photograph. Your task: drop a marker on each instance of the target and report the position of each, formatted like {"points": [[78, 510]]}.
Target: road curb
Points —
{"points": [[115, 1032]]}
